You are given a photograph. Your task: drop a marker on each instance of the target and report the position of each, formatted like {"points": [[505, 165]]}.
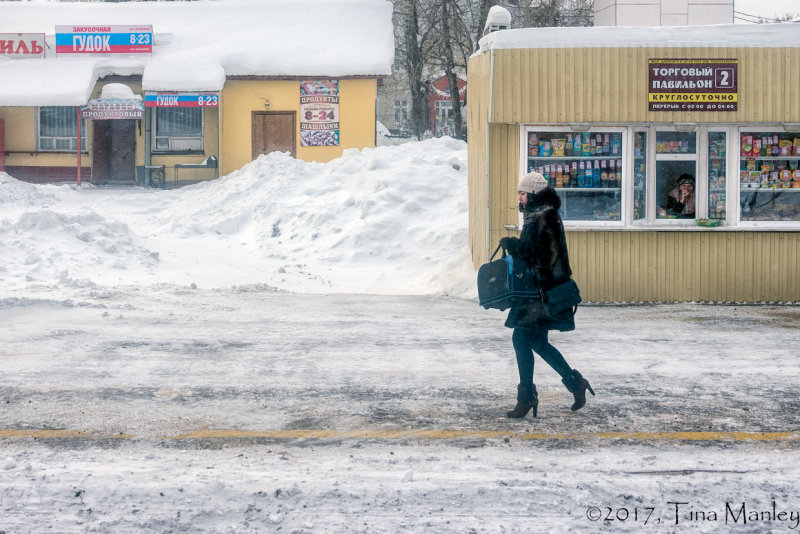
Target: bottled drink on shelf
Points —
{"points": [[573, 179], [603, 174], [582, 174]]}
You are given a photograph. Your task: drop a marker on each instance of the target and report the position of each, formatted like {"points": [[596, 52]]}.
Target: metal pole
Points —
{"points": [[79, 146], [148, 157]]}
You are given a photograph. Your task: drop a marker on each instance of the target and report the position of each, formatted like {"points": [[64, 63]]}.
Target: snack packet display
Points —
{"points": [[747, 145]]}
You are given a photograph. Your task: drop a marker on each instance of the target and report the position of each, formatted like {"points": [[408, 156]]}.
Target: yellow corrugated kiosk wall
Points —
{"points": [[558, 86]]}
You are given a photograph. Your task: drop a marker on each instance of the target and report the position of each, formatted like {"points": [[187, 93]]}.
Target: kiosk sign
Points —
{"points": [[104, 39], [174, 99], [693, 84]]}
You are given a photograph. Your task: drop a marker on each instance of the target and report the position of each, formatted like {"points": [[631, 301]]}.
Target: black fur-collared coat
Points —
{"points": [[543, 245]]}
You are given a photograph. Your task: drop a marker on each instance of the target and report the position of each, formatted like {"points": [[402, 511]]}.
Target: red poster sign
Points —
{"points": [[319, 113], [22, 45]]}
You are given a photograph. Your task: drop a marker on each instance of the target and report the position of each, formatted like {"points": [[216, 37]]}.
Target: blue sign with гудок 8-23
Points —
{"points": [[104, 39], [172, 99]]}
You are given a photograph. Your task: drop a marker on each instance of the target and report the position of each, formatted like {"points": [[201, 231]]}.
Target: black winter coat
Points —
{"points": [[542, 245]]}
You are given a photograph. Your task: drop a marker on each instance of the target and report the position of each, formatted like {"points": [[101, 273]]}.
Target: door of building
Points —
{"points": [[114, 152], [273, 131]]}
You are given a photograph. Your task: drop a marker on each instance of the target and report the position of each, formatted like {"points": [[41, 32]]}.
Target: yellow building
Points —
{"points": [[172, 93], [614, 118]]}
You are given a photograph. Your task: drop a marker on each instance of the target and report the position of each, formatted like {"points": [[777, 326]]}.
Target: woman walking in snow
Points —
{"points": [[542, 245]]}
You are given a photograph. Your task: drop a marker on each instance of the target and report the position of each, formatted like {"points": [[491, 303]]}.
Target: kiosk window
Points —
{"points": [[58, 126], [769, 176], [716, 175], [585, 168], [676, 172], [639, 175]]}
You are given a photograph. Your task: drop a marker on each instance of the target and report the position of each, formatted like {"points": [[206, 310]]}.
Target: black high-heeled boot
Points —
{"points": [[527, 399], [577, 385]]}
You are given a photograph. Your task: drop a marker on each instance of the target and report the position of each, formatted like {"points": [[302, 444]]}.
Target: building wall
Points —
{"points": [[686, 266], [20, 141], [240, 98], [478, 127], [662, 12], [394, 87], [231, 144], [51, 166]]}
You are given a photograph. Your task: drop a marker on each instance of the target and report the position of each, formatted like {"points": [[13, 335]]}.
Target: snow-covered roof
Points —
{"points": [[721, 35], [197, 44]]}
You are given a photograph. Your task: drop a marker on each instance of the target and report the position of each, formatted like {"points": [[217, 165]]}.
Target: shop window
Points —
{"points": [[58, 128], [676, 174], [717, 205], [769, 177], [178, 130], [639, 175], [585, 168]]}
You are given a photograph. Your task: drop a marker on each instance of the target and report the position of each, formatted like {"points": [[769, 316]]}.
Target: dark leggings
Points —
{"points": [[527, 340]]}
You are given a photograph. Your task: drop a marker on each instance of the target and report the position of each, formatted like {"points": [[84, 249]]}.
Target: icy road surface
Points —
{"points": [[252, 410]]}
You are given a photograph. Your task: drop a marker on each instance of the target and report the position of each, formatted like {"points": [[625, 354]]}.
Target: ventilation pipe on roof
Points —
{"points": [[498, 19]]}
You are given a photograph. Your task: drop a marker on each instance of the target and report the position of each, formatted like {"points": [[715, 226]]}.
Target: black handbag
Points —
{"points": [[506, 282], [561, 298]]}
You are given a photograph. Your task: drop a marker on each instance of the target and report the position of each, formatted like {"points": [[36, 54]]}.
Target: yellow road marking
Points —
{"points": [[60, 434], [416, 434], [488, 434]]}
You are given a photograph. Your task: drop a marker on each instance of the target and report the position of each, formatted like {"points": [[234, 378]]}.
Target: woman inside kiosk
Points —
{"points": [[681, 201]]}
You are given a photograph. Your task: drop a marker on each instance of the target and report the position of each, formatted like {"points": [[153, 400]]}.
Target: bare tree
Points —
{"points": [[436, 37], [448, 44], [478, 13], [549, 13], [411, 48]]}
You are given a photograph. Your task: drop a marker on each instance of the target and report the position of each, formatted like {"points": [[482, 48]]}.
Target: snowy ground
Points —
{"points": [[169, 363]]}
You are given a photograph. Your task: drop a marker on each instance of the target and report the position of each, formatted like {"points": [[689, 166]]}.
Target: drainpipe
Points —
{"points": [[79, 146], [488, 161]]}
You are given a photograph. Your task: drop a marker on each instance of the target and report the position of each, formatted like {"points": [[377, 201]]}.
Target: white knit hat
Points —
{"points": [[533, 182]]}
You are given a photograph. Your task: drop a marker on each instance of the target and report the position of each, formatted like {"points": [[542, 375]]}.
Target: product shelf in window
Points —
{"points": [[585, 168], [579, 173], [717, 152], [769, 176]]}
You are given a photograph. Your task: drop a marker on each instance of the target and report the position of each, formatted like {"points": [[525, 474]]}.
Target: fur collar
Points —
{"points": [[541, 202], [546, 197]]}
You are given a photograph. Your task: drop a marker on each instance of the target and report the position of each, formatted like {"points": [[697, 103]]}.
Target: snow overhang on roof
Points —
{"points": [[722, 35], [37, 82], [197, 44]]}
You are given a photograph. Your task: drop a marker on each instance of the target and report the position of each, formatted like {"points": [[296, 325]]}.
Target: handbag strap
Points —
{"points": [[495, 252]]}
